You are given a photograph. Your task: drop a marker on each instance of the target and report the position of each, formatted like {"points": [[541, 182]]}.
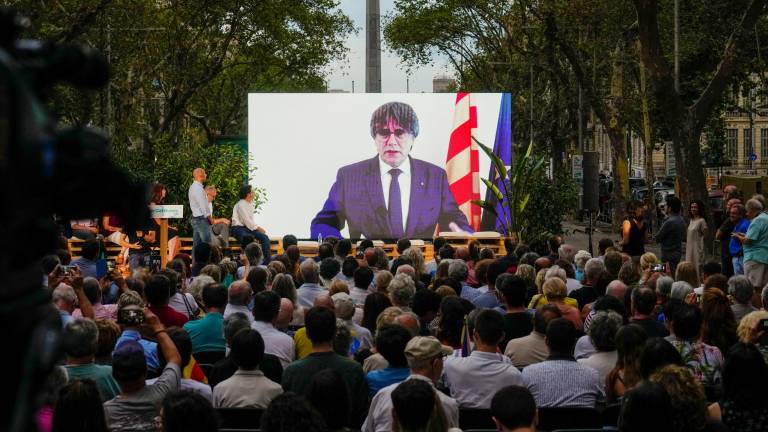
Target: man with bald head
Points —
{"points": [[239, 293], [201, 220], [616, 289]]}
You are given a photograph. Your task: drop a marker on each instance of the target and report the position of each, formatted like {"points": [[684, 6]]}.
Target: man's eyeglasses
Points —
{"points": [[386, 133]]}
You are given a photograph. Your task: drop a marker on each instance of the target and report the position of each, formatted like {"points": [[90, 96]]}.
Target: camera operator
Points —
{"points": [[137, 405]]}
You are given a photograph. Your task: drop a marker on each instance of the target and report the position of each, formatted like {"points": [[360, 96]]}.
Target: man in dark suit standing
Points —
{"points": [[391, 195]]}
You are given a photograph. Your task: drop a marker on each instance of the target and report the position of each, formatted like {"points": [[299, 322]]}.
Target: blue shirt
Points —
{"points": [[379, 379], [207, 334], [486, 300], [150, 348], [741, 227], [469, 293]]}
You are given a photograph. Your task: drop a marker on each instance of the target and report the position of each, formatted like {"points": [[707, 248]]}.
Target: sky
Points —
{"points": [[393, 72]]}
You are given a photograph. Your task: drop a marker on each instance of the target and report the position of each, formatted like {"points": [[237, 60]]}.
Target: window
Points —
{"points": [[748, 149], [763, 144], [730, 143]]}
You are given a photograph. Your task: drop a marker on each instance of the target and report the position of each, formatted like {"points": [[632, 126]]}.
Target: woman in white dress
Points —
{"points": [[697, 232]]}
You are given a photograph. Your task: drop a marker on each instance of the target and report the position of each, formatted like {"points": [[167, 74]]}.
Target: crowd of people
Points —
{"points": [[353, 340]]}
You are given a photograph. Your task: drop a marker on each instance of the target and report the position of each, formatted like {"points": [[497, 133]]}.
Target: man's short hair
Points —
{"points": [[325, 250], [644, 300], [64, 292], [266, 306], [309, 271], [413, 402], [363, 277], [425, 301], [680, 289], [80, 338], [543, 316], [183, 343], [290, 240], [613, 263], [90, 249], [686, 322], [458, 270], [740, 288], [128, 362], [348, 266], [401, 289], [233, 323], [403, 244], [561, 336], [247, 349], [244, 191], [513, 407], [329, 268], [343, 247], [755, 204], [489, 325], [674, 204], [495, 269], [603, 330], [254, 254], [592, 269], [400, 112], [446, 252], [710, 268], [158, 290], [513, 288], [92, 289], [320, 323], [215, 295], [604, 244], [391, 340]]}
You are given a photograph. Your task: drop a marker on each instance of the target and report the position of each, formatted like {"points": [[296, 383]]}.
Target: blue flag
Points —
{"points": [[502, 147]]}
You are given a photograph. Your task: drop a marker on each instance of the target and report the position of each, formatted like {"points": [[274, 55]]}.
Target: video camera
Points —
{"points": [[45, 169]]}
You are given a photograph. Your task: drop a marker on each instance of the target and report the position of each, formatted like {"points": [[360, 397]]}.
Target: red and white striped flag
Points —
{"points": [[463, 161]]}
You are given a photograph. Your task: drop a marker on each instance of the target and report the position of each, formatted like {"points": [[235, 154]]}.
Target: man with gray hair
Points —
{"points": [[566, 252], [310, 289], [459, 271], [740, 289], [401, 291], [344, 307], [587, 293], [680, 290], [755, 243], [664, 287], [602, 334], [226, 367], [66, 297], [239, 294], [79, 340]]}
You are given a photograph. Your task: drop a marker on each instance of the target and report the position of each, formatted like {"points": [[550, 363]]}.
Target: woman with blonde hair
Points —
{"points": [[417, 261], [555, 292], [382, 280], [528, 273], [749, 331], [647, 260], [542, 298], [686, 271]]}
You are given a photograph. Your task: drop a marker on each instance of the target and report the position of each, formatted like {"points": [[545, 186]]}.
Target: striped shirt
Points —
{"points": [[561, 382]]}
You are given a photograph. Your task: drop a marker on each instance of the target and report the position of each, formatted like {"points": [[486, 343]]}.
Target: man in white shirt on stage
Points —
{"points": [[201, 210], [243, 223]]}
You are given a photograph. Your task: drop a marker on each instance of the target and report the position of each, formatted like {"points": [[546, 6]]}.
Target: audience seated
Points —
{"points": [[560, 381], [602, 334], [207, 334], [401, 291], [475, 379], [647, 407], [321, 328], [415, 407], [158, 293], [79, 340], [310, 288], [705, 361], [266, 307], [362, 279], [88, 256], [239, 295], [248, 387], [291, 412], [643, 303], [136, 407], [425, 360], [183, 345], [79, 407], [344, 307], [630, 343], [533, 348], [183, 411], [518, 321], [391, 341], [328, 394], [514, 410]]}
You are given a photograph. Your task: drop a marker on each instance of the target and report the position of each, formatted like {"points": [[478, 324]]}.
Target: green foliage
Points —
{"points": [[534, 205]]}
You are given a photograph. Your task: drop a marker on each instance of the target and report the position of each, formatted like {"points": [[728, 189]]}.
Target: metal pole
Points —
{"points": [[677, 47], [353, 86], [407, 84]]}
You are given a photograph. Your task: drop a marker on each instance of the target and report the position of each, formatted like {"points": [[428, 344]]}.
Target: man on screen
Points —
{"points": [[390, 195]]}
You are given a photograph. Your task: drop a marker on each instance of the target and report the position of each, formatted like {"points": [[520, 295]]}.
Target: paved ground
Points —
{"points": [[578, 238]]}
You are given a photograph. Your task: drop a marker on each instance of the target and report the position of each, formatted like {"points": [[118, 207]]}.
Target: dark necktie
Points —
{"points": [[395, 205]]}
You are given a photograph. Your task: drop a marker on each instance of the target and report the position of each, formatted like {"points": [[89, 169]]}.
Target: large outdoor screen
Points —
{"points": [[370, 165]]}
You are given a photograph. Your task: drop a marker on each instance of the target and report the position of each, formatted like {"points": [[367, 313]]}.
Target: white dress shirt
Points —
{"points": [[475, 379], [176, 302], [230, 309], [246, 389], [404, 180], [276, 342], [198, 200], [380, 414], [602, 361], [242, 215], [307, 293]]}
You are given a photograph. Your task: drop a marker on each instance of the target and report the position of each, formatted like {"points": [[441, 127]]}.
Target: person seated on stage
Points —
{"points": [[243, 223], [85, 229], [220, 226], [113, 231]]}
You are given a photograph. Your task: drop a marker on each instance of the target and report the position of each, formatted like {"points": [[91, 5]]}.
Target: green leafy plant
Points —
{"points": [[515, 193]]}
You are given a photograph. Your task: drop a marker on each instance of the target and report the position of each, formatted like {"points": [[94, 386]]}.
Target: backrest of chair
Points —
{"points": [[611, 414], [239, 418], [551, 419], [475, 418]]}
